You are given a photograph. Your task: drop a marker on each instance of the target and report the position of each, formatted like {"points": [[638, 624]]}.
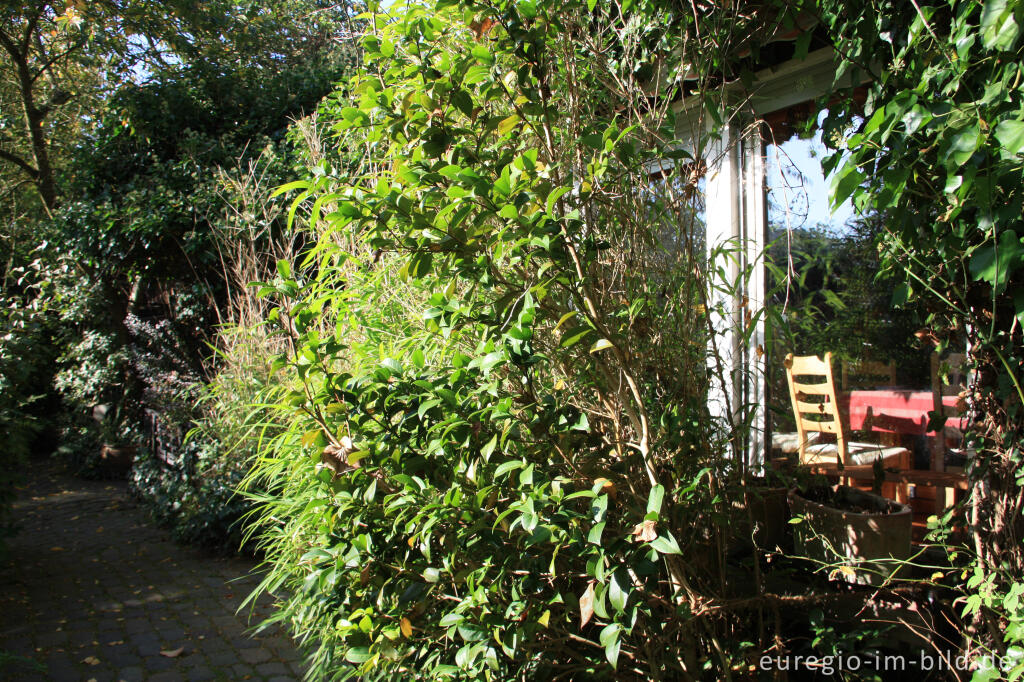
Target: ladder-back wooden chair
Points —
{"points": [[815, 401]]}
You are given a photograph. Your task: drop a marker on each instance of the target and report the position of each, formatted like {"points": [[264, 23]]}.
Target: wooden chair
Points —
{"points": [[816, 408], [867, 374]]}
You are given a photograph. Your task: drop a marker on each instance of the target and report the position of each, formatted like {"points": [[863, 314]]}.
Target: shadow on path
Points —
{"points": [[90, 590]]}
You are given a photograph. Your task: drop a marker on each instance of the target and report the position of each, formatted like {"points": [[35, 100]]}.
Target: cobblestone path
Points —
{"points": [[92, 591]]}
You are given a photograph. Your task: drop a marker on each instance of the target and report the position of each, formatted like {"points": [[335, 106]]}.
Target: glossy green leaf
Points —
{"points": [[666, 544], [508, 467], [655, 498], [999, 29], [508, 124], [574, 336], [1011, 136], [994, 263], [964, 143]]}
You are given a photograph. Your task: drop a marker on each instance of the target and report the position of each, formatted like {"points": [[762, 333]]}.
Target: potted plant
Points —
{"points": [[764, 507], [864, 535], [118, 441]]}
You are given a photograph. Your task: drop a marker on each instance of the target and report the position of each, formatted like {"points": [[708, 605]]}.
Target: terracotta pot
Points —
{"points": [[864, 545], [118, 459], [770, 515]]}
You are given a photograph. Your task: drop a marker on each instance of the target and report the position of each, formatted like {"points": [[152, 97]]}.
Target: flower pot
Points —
{"points": [[862, 534], [117, 459], [768, 510], [766, 507]]}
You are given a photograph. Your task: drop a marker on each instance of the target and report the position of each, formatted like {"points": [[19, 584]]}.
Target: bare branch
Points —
{"points": [[53, 60]]}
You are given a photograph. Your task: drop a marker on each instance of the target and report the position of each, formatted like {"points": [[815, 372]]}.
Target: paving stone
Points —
{"points": [[47, 640], [137, 625], [200, 674], [122, 595], [254, 655], [62, 670], [146, 645], [223, 658], [243, 642], [157, 663], [169, 676], [272, 668], [82, 638], [172, 637]]}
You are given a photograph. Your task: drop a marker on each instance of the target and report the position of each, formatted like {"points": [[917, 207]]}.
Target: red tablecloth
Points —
{"points": [[892, 411]]}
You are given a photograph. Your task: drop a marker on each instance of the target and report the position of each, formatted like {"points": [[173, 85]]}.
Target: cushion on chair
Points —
{"points": [[788, 443], [858, 453]]}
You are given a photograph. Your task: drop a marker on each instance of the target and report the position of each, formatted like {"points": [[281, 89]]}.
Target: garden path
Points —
{"points": [[92, 591]]}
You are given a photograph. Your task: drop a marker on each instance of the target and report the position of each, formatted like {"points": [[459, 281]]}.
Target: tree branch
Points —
{"points": [[8, 44], [14, 188], [20, 163], [53, 60], [30, 27]]}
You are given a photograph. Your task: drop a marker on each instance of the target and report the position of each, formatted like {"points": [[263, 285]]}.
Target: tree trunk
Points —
{"points": [[41, 173], [44, 179]]}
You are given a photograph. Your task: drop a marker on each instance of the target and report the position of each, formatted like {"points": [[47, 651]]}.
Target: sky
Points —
{"points": [[795, 179]]}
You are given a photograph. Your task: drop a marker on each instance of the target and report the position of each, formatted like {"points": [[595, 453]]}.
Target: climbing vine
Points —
{"points": [[941, 156]]}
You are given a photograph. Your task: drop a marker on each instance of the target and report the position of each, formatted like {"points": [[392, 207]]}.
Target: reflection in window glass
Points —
{"points": [[797, 190], [676, 208]]}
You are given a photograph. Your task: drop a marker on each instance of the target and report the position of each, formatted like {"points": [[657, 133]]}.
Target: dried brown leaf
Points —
{"points": [[587, 605], [645, 532]]}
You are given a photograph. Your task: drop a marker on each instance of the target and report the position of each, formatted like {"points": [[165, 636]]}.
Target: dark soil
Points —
{"points": [[850, 500]]}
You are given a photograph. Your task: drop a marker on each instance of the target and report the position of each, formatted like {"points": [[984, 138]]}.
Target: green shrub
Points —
{"points": [[192, 487], [26, 360], [940, 156], [499, 463], [197, 496]]}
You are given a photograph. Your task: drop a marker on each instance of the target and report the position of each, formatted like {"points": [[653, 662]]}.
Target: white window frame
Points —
{"points": [[736, 218]]}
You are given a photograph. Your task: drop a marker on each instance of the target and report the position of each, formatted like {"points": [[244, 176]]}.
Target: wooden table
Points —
{"points": [[900, 411], [897, 412]]}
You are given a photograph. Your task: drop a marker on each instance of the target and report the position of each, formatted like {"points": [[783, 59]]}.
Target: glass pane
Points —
{"points": [[797, 188], [676, 208]]}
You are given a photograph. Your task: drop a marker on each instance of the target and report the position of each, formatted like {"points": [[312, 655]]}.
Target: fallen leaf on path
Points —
{"points": [[91, 660], [173, 653]]}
